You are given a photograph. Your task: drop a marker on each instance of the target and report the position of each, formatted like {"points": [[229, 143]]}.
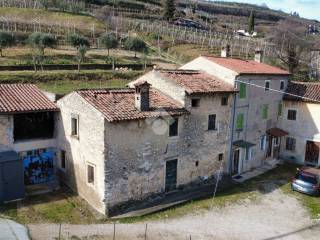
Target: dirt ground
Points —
{"points": [[271, 215]]}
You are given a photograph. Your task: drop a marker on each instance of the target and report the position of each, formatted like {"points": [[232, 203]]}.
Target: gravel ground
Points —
{"points": [[273, 216]]}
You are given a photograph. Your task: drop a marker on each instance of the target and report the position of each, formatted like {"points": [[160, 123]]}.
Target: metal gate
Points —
{"points": [[11, 177], [171, 175]]}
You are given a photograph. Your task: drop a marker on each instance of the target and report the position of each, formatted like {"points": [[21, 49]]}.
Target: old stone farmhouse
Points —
{"points": [[169, 130]]}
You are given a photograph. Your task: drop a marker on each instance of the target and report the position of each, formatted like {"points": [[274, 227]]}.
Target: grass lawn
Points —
{"points": [[64, 207], [63, 82]]}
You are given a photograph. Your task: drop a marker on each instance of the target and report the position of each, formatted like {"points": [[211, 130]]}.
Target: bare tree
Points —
{"points": [[292, 42]]}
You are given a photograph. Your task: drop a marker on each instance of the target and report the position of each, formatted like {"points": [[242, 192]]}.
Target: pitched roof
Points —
{"points": [[119, 104], [18, 98], [241, 66], [308, 92], [196, 82]]}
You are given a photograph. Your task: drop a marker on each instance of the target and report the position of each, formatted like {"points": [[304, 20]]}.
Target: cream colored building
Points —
{"points": [[301, 119], [165, 133], [256, 137]]}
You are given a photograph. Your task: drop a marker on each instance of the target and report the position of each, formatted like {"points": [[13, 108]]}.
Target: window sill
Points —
{"points": [[75, 136]]}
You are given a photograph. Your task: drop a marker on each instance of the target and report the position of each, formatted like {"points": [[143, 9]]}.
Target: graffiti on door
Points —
{"points": [[38, 166]]}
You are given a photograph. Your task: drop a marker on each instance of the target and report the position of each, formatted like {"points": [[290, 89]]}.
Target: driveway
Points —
{"points": [[272, 215], [10, 230]]}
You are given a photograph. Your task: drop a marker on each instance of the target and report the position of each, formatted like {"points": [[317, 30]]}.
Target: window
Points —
{"points": [[243, 90], [292, 115], [240, 122], [197, 163], [282, 85], [248, 154], [220, 157], [195, 102], [263, 142], [290, 144], [74, 126], [267, 85], [265, 109], [224, 101], [90, 170], [280, 106], [212, 122], [63, 159], [173, 129]]}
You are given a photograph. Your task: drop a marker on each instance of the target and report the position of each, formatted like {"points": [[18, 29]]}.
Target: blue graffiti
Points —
{"points": [[38, 167]]}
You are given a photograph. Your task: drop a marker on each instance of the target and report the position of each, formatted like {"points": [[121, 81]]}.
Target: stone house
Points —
{"points": [[27, 139], [170, 130], [255, 136], [301, 119]]}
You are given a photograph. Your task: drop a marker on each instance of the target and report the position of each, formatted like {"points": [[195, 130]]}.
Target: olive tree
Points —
{"points": [[135, 44], [76, 40], [81, 54], [109, 41], [39, 42], [6, 40]]}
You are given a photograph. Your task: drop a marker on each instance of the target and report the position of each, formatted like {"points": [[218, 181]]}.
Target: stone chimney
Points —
{"points": [[225, 51], [142, 101], [258, 56]]}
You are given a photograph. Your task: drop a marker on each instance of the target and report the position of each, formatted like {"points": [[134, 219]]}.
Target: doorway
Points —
{"points": [[171, 175], [236, 162], [312, 152]]}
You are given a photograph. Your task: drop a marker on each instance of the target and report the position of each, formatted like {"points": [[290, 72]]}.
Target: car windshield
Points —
{"points": [[306, 178]]}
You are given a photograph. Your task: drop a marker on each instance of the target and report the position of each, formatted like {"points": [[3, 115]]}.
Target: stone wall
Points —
{"points": [[6, 132], [86, 149]]}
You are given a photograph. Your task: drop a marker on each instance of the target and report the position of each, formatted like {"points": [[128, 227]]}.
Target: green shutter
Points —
{"points": [[243, 90], [265, 109], [280, 109], [240, 121]]}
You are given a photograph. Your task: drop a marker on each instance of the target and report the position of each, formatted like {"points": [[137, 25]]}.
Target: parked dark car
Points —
{"points": [[307, 180]]}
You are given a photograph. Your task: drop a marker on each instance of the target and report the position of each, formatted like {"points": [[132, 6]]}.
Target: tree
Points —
{"points": [[292, 43], [251, 23], [39, 42], [135, 44], [76, 40], [6, 40], [81, 54], [169, 9], [109, 41]]}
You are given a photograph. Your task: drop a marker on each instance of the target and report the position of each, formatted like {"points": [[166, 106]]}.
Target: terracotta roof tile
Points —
{"points": [[309, 91], [196, 82], [18, 98], [119, 104], [247, 66]]}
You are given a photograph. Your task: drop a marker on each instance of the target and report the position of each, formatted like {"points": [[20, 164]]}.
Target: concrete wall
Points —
{"points": [[86, 149], [138, 151], [306, 127]]}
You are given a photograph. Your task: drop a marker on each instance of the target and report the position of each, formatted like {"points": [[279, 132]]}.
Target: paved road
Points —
{"points": [[10, 230]]}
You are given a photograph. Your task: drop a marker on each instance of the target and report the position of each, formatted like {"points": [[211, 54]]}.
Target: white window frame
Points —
{"points": [[74, 116], [265, 87], [87, 174], [263, 142]]}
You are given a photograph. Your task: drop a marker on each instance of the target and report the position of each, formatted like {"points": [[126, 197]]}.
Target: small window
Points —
{"points": [[195, 102], [267, 86], [291, 144], [212, 122], [90, 170], [282, 85], [220, 157], [292, 115], [265, 110], [224, 101], [63, 159], [240, 122], [263, 142], [280, 107], [74, 126], [173, 129], [197, 163], [243, 90]]}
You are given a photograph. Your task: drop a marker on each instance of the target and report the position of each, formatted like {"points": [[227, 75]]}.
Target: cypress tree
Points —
{"points": [[251, 23], [169, 9]]}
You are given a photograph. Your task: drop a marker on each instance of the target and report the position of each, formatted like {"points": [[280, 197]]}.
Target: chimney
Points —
{"points": [[142, 101], [258, 56], [225, 51]]}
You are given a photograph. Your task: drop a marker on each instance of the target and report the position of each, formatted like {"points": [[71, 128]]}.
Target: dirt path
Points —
{"points": [[273, 216]]}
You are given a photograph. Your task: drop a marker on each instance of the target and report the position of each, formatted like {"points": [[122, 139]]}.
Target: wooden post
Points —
{"points": [[59, 232], [145, 233], [114, 231]]}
